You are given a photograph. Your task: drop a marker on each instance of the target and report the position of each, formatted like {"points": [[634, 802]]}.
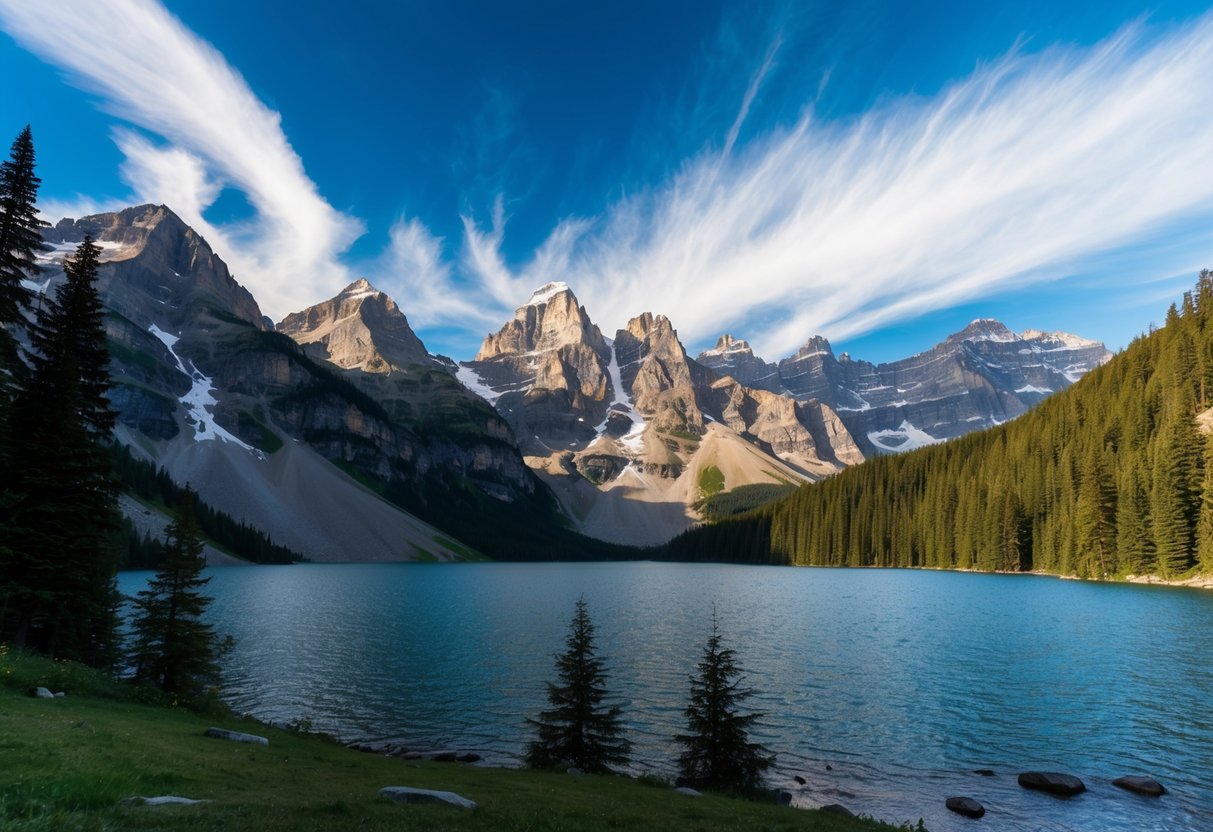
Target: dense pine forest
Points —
{"points": [[1113, 477]]}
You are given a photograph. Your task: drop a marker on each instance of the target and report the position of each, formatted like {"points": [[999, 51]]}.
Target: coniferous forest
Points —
{"points": [[1113, 477]]}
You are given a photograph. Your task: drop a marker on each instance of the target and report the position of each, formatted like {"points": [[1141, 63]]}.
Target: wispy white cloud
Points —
{"points": [[151, 71], [1017, 173]]}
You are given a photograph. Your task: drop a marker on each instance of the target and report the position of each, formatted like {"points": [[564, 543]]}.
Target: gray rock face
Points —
{"points": [[1146, 786], [406, 795], [1063, 785], [979, 377], [235, 736], [966, 806], [359, 329], [43, 693]]}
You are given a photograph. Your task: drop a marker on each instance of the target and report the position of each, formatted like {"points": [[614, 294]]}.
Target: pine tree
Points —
{"points": [[1204, 524], [174, 649], [60, 508], [578, 730], [19, 239], [718, 753]]}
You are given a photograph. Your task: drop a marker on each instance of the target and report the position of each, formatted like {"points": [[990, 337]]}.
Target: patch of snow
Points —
{"points": [[200, 398], [472, 381], [899, 403], [622, 403], [1031, 388], [546, 292], [1069, 340], [910, 436], [863, 404]]}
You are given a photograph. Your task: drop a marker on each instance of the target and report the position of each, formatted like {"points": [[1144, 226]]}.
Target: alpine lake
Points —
{"points": [[884, 690]]}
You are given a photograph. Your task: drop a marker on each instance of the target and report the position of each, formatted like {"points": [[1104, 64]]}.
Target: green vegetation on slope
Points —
{"points": [[67, 764], [743, 498], [1109, 478]]}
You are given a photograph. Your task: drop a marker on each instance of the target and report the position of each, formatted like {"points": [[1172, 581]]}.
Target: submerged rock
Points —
{"points": [[407, 794], [966, 806], [236, 736], [1063, 785], [984, 772], [800, 780], [1137, 784]]}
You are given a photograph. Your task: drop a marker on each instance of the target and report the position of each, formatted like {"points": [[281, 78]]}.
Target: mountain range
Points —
{"points": [[337, 433]]}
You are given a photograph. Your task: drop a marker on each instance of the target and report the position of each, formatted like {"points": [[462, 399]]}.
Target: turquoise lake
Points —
{"points": [[883, 689]]}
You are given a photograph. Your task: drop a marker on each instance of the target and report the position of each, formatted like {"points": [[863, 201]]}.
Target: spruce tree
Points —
{"points": [[19, 239], [718, 753], [174, 649], [578, 730], [60, 508]]}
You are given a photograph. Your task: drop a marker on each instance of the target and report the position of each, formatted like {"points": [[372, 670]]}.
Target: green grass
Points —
{"points": [[711, 480], [67, 763]]}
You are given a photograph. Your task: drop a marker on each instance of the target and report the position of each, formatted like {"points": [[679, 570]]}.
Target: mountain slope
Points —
{"points": [[622, 429], [282, 440], [1112, 477], [974, 379]]}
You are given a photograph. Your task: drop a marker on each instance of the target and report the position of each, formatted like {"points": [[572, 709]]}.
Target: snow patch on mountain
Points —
{"points": [[622, 403], [200, 398], [1069, 340], [472, 381], [1030, 388], [904, 438], [546, 292]]}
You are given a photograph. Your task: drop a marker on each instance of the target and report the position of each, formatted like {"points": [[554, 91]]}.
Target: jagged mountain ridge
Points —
{"points": [[271, 431], [623, 429], [977, 378]]}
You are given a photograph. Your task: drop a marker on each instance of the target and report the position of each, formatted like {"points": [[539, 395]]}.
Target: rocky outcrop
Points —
{"points": [[966, 806], [734, 358], [359, 329], [979, 377], [1062, 785], [657, 374], [407, 795], [1139, 784], [235, 736]]}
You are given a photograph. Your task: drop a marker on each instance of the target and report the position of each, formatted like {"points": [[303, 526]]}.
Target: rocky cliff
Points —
{"points": [[977, 378]]}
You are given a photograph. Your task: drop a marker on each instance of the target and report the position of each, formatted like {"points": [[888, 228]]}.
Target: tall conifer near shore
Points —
{"points": [[579, 730], [62, 495]]}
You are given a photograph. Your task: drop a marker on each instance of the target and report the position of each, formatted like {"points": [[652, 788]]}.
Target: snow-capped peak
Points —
{"points": [[360, 288], [1066, 338], [546, 292]]}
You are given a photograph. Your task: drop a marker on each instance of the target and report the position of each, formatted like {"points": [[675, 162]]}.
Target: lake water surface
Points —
{"points": [[884, 689]]}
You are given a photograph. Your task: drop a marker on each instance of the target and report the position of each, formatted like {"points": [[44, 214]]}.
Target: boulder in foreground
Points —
{"points": [[162, 800], [1137, 784], [1062, 785], [405, 794], [966, 806], [236, 736]]}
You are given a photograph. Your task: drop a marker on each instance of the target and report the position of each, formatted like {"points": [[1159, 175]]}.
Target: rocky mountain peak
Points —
{"points": [[360, 328], [818, 345], [728, 345], [985, 329], [551, 319], [155, 267]]}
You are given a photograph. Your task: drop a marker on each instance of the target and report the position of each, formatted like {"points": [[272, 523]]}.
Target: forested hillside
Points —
{"points": [[1110, 478]]}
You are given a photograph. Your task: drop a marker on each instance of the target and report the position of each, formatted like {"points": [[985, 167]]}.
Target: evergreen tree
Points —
{"points": [[60, 508], [19, 239], [578, 730], [1204, 525], [717, 752], [174, 649]]}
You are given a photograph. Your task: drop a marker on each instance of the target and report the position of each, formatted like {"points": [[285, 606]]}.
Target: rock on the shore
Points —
{"points": [[688, 791], [1137, 784], [43, 693], [1063, 785], [783, 798], [236, 736], [966, 806], [162, 800], [406, 795]]}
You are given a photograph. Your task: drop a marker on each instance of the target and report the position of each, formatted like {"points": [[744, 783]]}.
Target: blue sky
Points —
{"points": [[880, 173]]}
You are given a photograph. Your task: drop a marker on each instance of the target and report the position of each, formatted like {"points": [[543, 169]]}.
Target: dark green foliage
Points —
{"points": [[152, 484], [59, 593], [19, 239], [711, 480], [578, 730], [174, 649], [743, 498], [717, 751], [1107, 478]]}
